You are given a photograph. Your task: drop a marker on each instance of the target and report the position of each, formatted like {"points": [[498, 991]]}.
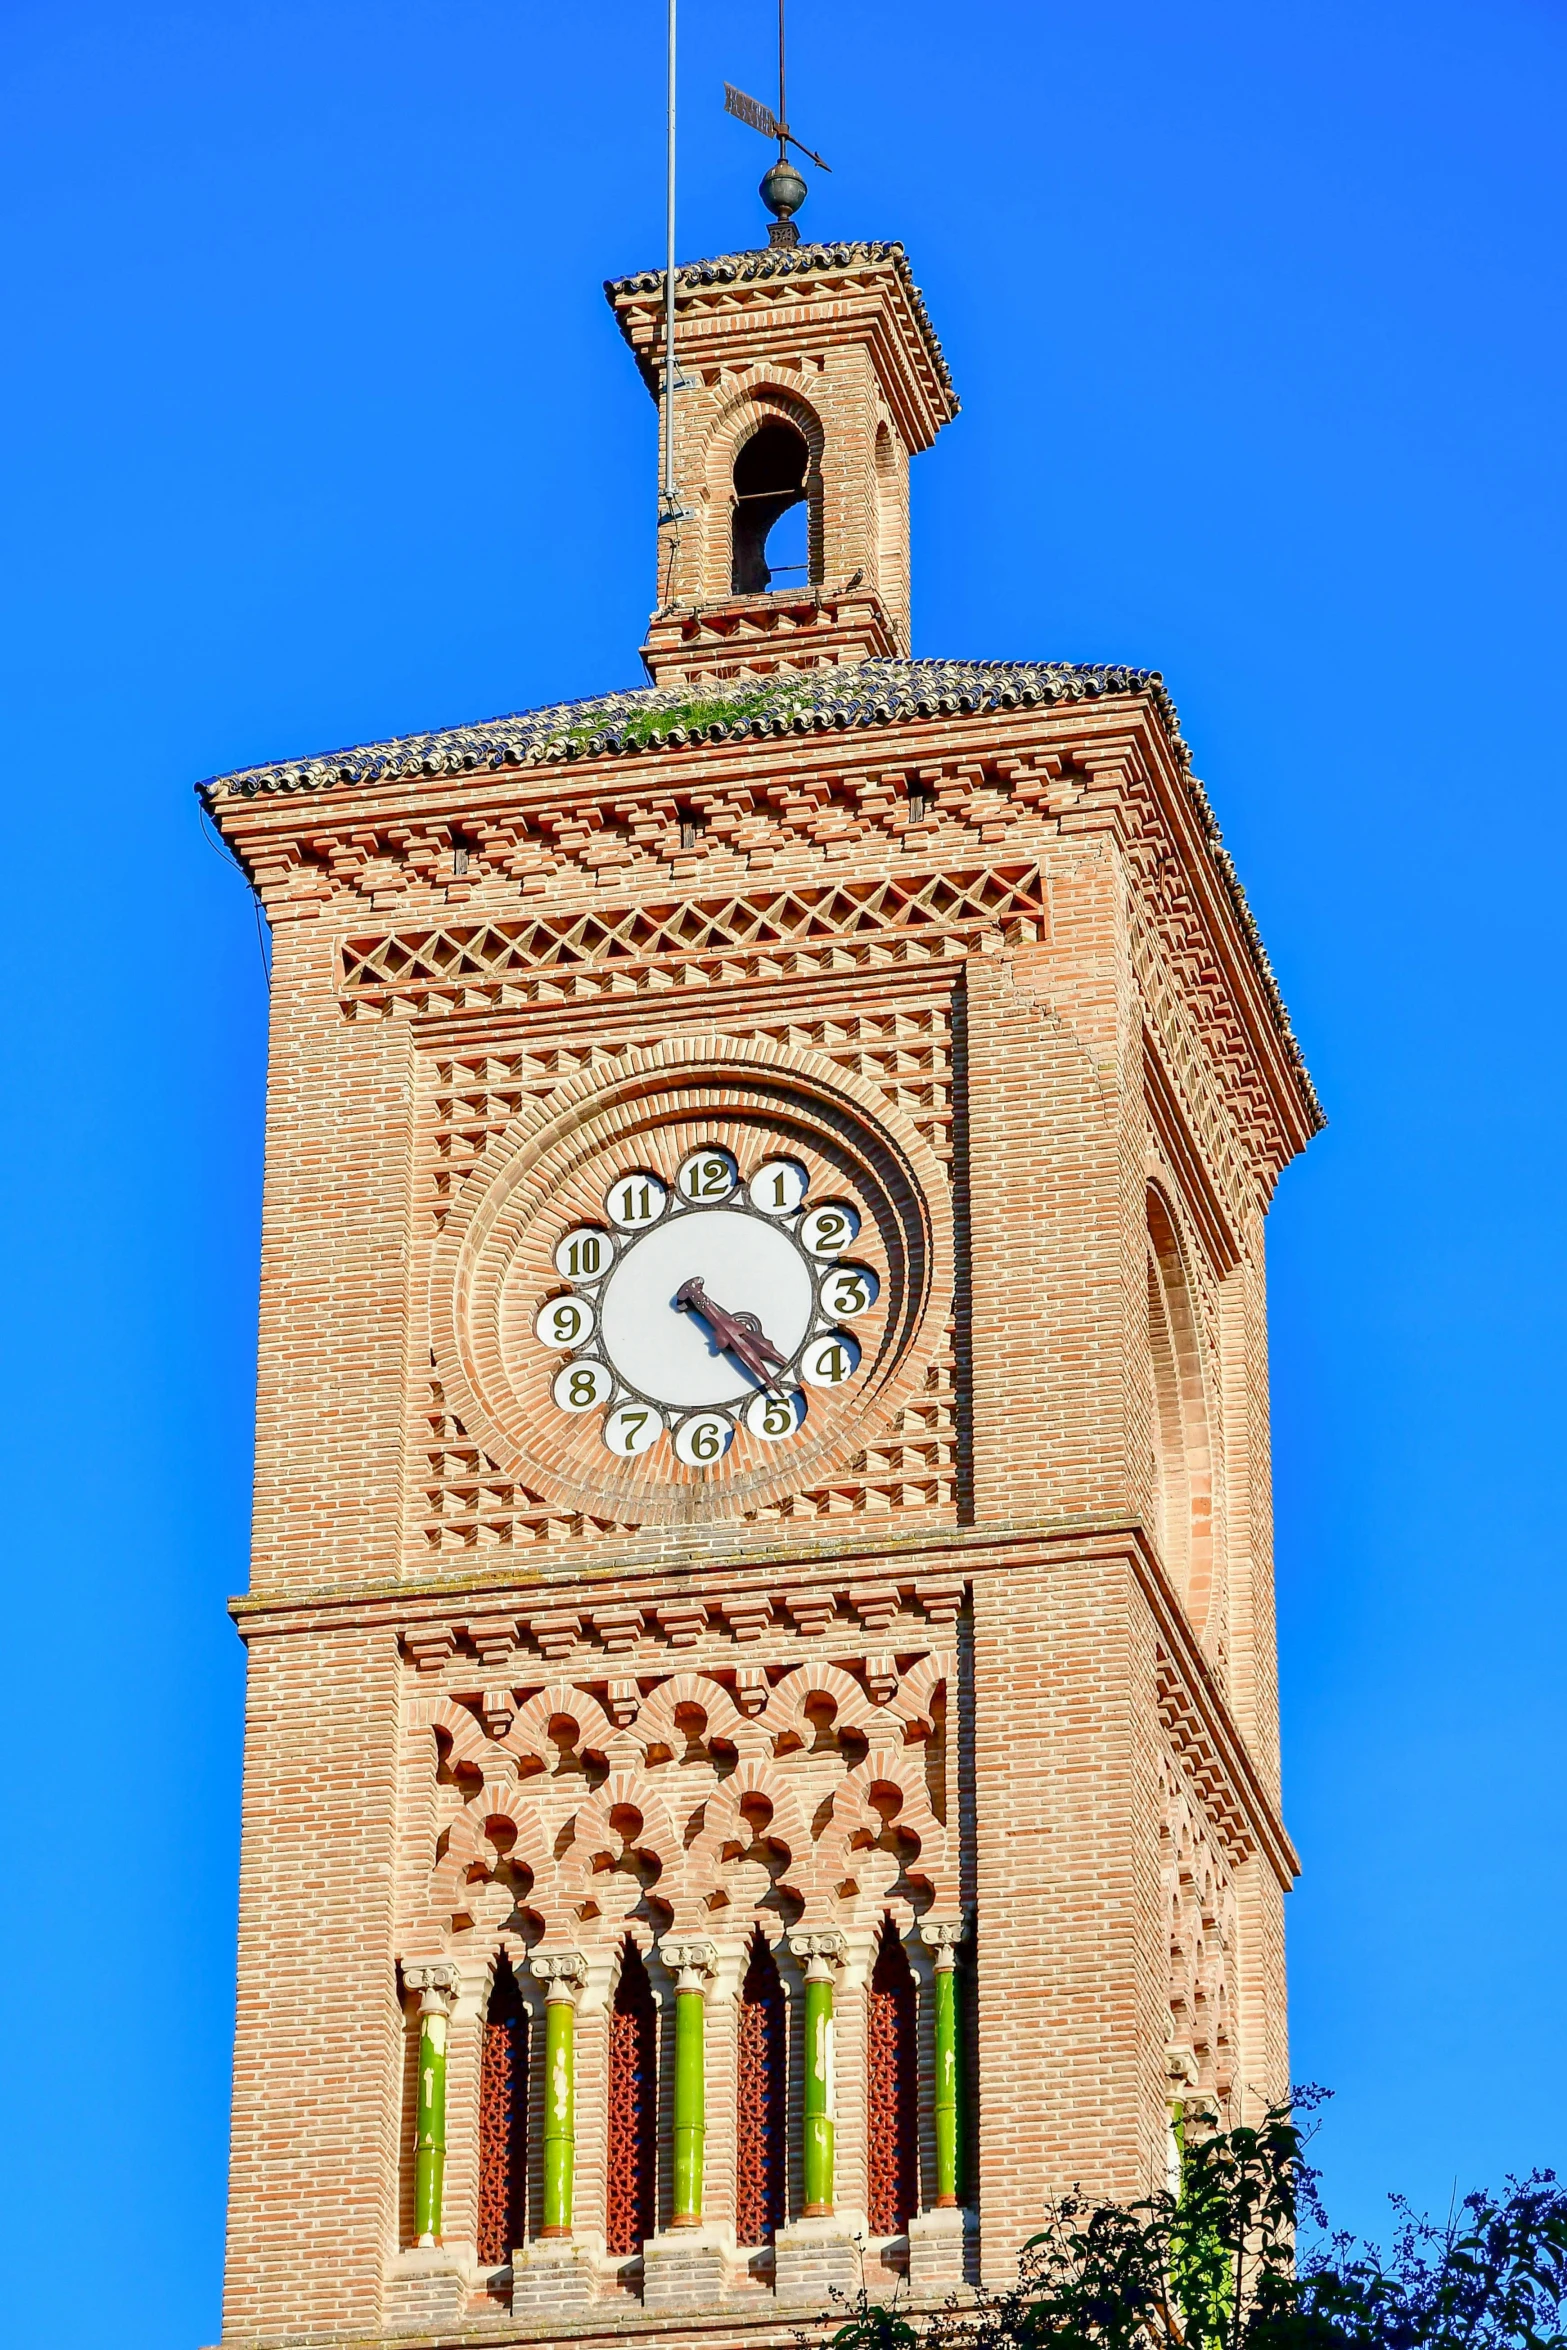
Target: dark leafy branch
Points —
{"points": [[1241, 2258]]}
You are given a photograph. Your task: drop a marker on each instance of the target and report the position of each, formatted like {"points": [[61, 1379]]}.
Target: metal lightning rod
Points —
{"points": [[669, 284], [669, 506]]}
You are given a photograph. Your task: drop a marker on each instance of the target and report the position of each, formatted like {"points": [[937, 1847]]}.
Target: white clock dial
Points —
{"points": [[774, 1416], [673, 1354], [707, 1176], [636, 1201], [712, 1298], [827, 1231], [585, 1254], [778, 1187]]}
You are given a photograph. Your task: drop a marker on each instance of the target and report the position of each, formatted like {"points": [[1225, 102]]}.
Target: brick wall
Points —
{"points": [[1073, 1015]]}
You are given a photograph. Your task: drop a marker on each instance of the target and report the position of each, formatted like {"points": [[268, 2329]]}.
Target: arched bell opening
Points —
{"points": [[772, 529]]}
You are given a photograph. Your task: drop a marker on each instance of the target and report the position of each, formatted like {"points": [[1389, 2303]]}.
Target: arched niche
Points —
{"points": [[1182, 1446]]}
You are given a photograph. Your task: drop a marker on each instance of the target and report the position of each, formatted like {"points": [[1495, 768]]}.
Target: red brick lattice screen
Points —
{"points": [[893, 2102], [503, 2121], [633, 2109], [759, 2186]]}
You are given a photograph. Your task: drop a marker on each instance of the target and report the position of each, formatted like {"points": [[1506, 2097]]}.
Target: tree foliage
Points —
{"points": [[1223, 2263]]}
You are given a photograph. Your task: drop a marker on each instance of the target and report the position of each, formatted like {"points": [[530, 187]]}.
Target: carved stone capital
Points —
{"points": [[562, 1972], [693, 1964], [942, 1936], [821, 1951], [436, 1981]]}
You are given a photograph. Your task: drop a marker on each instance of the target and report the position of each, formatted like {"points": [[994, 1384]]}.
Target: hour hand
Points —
{"points": [[741, 1335]]}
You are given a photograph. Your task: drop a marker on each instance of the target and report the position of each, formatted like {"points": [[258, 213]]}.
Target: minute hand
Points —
{"points": [[737, 1334]]}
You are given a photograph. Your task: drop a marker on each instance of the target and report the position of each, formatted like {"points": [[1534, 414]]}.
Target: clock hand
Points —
{"points": [[737, 1334]]}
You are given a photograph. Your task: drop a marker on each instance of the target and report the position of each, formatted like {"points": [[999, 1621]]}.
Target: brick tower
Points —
{"points": [[761, 1754]]}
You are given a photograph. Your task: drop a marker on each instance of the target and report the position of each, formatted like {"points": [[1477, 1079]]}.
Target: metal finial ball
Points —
{"points": [[783, 191]]}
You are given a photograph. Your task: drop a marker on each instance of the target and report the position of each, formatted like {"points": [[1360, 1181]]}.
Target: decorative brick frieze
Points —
{"points": [[810, 1611], [556, 1630], [916, 916], [618, 1628], [429, 1645], [748, 1615], [683, 1622], [493, 1640], [875, 1604]]}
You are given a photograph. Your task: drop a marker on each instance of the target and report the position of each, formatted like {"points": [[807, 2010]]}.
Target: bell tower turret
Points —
{"points": [[808, 375]]}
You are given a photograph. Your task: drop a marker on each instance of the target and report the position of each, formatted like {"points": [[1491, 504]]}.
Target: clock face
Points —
{"points": [[702, 1279], [712, 1293]]}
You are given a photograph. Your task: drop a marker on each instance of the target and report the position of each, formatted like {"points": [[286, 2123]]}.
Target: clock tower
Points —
{"points": [[761, 1756]]}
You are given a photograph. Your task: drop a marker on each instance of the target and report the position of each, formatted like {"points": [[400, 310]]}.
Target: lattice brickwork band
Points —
{"points": [[418, 964]]}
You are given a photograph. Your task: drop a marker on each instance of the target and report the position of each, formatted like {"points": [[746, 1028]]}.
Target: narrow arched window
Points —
{"points": [[763, 2056], [503, 2120], [770, 479], [892, 526], [893, 2102], [633, 2108], [1182, 1470]]}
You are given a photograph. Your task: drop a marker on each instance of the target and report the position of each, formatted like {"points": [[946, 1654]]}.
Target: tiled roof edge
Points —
{"points": [[799, 702], [725, 269]]}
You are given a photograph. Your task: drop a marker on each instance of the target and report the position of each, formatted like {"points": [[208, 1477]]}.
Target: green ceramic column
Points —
{"points": [[819, 1951], [693, 1963], [562, 1977], [946, 2101], [436, 1984]]}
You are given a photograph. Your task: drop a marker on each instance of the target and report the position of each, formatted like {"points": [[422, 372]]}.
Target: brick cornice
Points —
{"points": [[1004, 782], [1202, 1715]]}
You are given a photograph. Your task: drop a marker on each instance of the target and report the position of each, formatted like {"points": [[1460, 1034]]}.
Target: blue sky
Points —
{"points": [[317, 429]]}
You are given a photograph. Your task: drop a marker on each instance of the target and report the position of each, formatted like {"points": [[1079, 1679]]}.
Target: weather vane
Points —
{"points": [[783, 190]]}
